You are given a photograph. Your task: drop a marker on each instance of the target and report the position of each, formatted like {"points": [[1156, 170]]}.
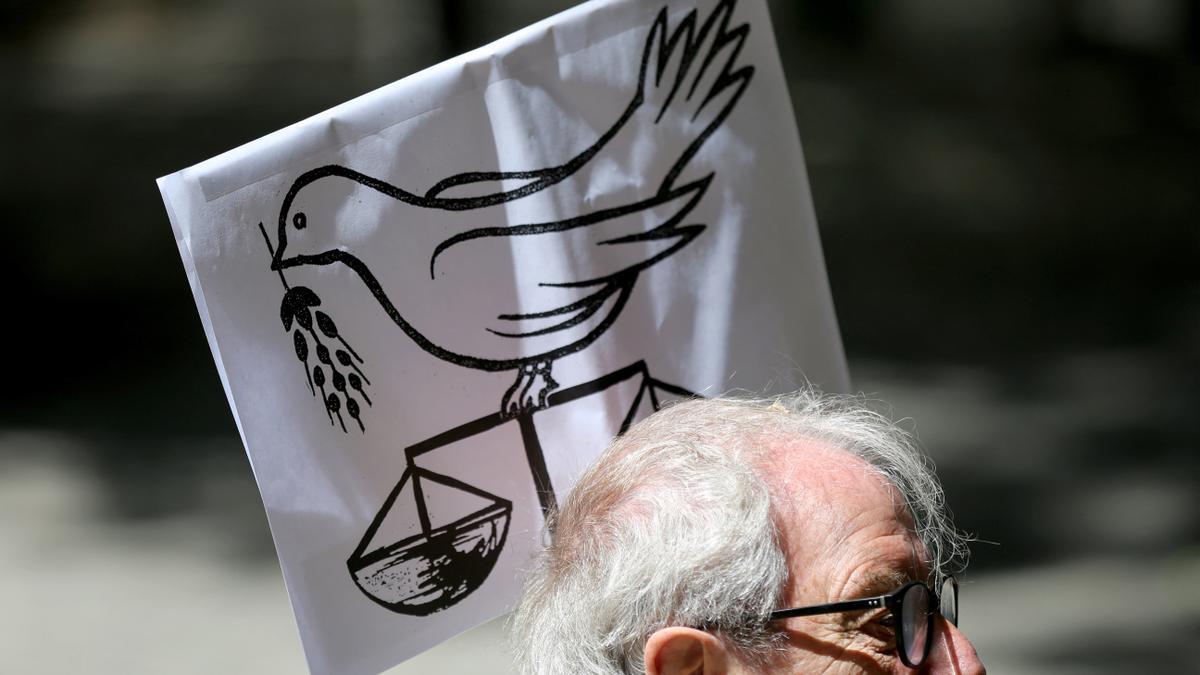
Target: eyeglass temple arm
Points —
{"points": [[831, 608]]}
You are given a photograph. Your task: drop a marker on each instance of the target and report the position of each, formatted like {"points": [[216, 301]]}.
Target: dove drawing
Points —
{"points": [[469, 252]]}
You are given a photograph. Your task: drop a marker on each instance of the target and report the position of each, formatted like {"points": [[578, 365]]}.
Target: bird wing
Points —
{"points": [[689, 80], [568, 270]]}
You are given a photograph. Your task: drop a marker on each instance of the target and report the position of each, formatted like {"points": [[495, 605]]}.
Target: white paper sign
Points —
{"points": [[432, 306]]}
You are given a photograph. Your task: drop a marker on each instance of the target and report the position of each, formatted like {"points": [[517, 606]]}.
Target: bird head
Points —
{"points": [[306, 231]]}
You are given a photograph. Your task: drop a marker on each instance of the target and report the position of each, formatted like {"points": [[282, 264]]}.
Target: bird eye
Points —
{"points": [[300, 220]]}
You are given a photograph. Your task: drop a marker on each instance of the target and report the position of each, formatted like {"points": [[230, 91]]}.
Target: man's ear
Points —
{"points": [[685, 651]]}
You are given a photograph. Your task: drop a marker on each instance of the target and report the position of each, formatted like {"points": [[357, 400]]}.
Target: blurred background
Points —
{"points": [[1007, 192]]}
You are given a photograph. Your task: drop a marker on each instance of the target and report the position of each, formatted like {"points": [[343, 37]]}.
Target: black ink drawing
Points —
{"points": [[435, 567], [689, 81], [296, 306]]}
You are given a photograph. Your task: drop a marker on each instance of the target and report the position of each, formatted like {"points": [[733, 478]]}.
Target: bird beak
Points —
{"points": [[277, 261], [275, 251]]}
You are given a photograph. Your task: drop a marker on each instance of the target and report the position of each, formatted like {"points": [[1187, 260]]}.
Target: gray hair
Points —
{"points": [[673, 526]]}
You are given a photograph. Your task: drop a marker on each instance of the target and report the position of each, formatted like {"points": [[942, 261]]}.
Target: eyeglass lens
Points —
{"points": [[949, 600], [915, 623]]}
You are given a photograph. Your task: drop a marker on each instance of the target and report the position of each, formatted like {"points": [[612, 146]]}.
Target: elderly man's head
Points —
{"points": [[674, 549]]}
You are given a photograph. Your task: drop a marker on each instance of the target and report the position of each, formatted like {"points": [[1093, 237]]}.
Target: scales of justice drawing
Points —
{"points": [[690, 79]]}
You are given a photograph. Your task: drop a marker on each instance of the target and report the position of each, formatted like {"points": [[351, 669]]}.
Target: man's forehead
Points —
{"points": [[840, 520], [807, 466]]}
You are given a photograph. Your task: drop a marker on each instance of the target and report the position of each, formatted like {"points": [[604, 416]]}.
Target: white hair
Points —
{"points": [[673, 526]]}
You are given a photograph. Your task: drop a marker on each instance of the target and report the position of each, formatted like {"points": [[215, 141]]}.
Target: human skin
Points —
{"points": [[846, 534]]}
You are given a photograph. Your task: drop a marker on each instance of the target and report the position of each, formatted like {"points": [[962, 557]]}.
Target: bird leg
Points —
{"points": [[549, 384], [530, 390]]}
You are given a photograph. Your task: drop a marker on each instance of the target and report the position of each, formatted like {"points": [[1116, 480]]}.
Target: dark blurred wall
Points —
{"points": [[1004, 188]]}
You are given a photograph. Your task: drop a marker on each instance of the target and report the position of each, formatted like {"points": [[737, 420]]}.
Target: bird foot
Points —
{"points": [[530, 390]]}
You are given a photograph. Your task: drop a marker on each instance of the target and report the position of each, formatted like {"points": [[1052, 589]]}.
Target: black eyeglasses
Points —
{"points": [[913, 606]]}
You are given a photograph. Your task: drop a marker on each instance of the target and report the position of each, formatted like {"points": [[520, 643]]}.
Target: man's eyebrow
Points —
{"points": [[880, 581]]}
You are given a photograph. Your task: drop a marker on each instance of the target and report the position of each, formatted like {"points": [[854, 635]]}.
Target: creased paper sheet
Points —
{"points": [[433, 305]]}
